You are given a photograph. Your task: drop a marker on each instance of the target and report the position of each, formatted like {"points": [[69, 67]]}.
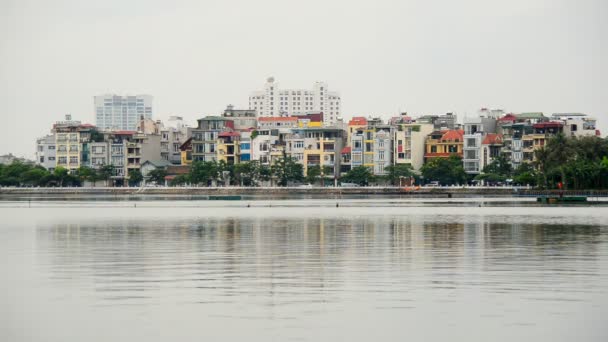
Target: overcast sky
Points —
{"points": [[195, 57]]}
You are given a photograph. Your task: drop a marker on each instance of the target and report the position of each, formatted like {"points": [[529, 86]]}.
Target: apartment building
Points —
{"points": [[475, 130], [204, 137], [576, 124], [274, 101], [409, 140], [115, 112], [45, 152]]}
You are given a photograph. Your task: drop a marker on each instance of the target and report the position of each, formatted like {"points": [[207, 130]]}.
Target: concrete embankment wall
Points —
{"points": [[431, 192]]}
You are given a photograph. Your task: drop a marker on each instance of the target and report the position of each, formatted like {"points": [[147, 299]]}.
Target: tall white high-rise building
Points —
{"points": [[273, 101], [115, 112]]}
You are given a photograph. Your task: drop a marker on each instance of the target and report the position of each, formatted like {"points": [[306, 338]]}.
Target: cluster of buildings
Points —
{"points": [[306, 125]]}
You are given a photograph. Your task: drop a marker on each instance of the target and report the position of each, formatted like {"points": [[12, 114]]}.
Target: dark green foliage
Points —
{"points": [[180, 180], [398, 171], [361, 175], [579, 163], [135, 177], [157, 176], [315, 173], [247, 173], [204, 172], [501, 165], [287, 169], [446, 171]]}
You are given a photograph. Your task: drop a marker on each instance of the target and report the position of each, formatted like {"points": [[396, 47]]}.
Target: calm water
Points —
{"points": [[303, 271]]}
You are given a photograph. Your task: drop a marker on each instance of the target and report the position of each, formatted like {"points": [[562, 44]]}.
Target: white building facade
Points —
{"points": [[115, 112], [45, 152], [274, 101]]}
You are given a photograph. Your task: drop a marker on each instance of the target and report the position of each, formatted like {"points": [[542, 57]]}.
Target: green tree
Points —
{"points": [[397, 172], [35, 177], [180, 180], [361, 175], [105, 173], [287, 169], [446, 171], [247, 173], [316, 173], [61, 175], [87, 174], [560, 152], [264, 173], [157, 176], [135, 177], [525, 175], [500, 165], [203, 172]]}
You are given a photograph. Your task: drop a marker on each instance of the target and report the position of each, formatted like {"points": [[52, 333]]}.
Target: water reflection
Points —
{"points": [[318, 260]]}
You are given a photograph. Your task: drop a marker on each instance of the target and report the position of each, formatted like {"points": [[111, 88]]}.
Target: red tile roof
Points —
{"points": [[452, 135], [492, 139], [508, 118]]}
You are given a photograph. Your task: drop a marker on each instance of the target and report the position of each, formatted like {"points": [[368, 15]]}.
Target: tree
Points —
{"points": [[265, 173], [180, 180], [398, 171], [35, 177], [287, 169], [203, 172], [500, 166], [559, 153], [105, 173], [446, 171], [135, 177], [87, 174], [361, 175], [316, 172], [157, 176], [525, 175], [61, 175], [247, 173]]}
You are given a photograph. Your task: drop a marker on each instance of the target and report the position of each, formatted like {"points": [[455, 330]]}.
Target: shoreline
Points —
{"points": [[263, 191]]}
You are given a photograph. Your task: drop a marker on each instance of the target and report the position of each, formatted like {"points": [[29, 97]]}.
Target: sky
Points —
{"points": [[384, 57]]}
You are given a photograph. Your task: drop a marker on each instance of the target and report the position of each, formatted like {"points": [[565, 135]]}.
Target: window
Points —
{"points": [[51, 147], [51, 158], [73, 160], [433, 149], [42, 159], [63, 160], [40, 148]]}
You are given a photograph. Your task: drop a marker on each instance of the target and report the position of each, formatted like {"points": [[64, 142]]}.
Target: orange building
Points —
{"points": [[442, 144]]}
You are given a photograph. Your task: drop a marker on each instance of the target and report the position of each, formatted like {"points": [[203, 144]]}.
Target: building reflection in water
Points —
{"points": [[298, 260]]}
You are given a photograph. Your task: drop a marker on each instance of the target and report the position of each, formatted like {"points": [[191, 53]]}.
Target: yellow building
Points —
{"points": [[323, 148], [186, 152], [228, 148], [442, 144]]}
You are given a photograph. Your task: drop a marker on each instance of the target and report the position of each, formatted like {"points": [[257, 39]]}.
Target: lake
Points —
{"points": [[303, 270]]}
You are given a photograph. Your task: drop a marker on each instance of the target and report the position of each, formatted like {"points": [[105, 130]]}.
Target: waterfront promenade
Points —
{"points": [[280, 191]]}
